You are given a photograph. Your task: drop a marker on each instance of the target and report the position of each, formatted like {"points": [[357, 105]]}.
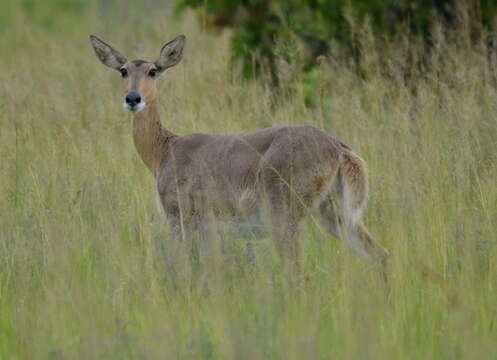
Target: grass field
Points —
{"points": [[83, 273]]}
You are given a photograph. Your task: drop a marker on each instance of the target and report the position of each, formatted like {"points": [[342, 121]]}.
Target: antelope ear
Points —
{"points": [[171, 53], [107, 54]]}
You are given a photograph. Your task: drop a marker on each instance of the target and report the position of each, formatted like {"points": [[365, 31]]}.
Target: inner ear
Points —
{"points": [[107, 54], [171, 53]]}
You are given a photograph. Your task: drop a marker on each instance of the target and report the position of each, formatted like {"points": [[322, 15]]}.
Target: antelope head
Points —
{"points": [[139, 75]]}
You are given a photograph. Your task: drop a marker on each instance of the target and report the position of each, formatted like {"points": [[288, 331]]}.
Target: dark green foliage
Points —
{"points": [[259, 24]]}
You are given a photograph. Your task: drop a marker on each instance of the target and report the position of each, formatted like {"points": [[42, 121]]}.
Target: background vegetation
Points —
{"points": [[311, 28], [85, 270]]}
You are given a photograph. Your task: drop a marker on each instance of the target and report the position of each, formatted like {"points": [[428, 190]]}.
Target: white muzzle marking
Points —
{"points": [[139, 107]]}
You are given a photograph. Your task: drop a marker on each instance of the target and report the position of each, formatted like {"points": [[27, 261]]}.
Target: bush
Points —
{"points": [[262, 28]]}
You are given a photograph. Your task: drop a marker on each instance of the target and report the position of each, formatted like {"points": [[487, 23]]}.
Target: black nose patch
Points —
{"points": [[133, 98]]}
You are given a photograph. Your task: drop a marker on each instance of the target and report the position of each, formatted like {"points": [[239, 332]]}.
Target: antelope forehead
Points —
{"points": [[139, 63]]}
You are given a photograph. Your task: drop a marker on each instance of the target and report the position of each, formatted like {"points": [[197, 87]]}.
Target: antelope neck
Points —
{"points": [[150, 137]]}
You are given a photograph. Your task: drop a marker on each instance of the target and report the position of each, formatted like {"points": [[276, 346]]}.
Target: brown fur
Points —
{"points": [[281, 172]]}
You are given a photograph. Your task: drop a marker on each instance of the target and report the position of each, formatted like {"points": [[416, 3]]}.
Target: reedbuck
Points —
{"points": [[282, 172]]}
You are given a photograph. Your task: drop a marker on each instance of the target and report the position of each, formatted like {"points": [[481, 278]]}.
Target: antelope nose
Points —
{"points": [[133, 98]]}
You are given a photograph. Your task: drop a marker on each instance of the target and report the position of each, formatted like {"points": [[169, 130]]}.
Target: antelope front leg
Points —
{"points": [[211, 240], [204, 246], [182, 237]]}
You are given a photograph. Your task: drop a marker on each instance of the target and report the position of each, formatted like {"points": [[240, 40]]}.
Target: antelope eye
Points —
{"points": [[123, 72], [152, 72]]}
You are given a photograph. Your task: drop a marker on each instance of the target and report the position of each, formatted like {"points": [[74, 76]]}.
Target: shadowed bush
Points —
{"points": [[264, 31]]}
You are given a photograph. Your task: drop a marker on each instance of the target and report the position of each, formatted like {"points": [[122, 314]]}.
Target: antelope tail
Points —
{"points": [[354, 185]]}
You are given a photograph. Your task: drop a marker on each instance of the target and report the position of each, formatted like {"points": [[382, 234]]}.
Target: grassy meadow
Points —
{"points": [[84, 262]]}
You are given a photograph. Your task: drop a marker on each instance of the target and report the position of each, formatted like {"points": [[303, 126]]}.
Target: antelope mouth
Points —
{"points": [[135, 108]]}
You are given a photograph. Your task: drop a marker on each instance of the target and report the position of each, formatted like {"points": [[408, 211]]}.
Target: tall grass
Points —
{"points": [[84, 270]]}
